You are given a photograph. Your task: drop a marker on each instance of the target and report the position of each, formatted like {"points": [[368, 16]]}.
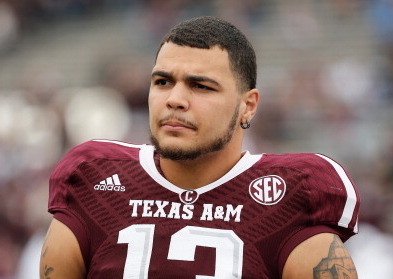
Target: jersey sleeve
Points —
{"points": [[62, 203], [332, 203], [334, 199]]}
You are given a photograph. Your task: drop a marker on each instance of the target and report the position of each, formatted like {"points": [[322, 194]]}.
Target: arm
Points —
{"points": [[321, 256], [61, 257]]}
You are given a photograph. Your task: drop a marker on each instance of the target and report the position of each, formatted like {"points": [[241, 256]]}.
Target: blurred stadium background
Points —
{"points": [[72, 70]]}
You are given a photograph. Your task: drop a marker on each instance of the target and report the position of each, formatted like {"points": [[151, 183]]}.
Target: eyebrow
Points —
{"points": [[190, 78], [161, 74], [194, 78]]}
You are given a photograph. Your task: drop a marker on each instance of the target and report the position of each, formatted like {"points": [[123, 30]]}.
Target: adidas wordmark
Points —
{"points": [[112, 183]]}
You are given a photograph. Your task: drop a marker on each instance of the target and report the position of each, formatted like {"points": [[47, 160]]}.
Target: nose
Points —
{"points": [[178, 98]]}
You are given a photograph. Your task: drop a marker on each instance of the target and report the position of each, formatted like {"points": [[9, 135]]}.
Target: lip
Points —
{"points": [[176, 125]]}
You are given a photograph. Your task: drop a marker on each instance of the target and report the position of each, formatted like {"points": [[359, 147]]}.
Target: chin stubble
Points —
{"points": [[181, 154]]}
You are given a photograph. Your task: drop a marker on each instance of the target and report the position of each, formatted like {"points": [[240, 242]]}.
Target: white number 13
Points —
{"points": [[229, 249]]}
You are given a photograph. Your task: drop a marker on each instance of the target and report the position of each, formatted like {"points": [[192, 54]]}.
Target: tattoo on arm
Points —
{"points": [[45, 246], [47, 270], [44, 252], [337, 265]]}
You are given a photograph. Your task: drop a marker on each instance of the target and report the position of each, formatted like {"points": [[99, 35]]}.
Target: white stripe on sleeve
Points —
{"points": [[350, 203]]}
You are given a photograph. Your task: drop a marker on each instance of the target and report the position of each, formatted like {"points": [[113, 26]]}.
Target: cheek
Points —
{"points": [[151, 100], [217, 118], [152, 114], [154, 104]]}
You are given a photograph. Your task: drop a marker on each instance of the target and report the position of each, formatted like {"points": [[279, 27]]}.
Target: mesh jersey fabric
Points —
{"points": [[130, 221]]}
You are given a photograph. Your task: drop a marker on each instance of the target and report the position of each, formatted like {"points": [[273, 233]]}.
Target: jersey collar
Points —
{"points": [[146, 158]]}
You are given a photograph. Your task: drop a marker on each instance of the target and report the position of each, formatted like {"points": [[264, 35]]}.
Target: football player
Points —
{"points": [[193, 204]]}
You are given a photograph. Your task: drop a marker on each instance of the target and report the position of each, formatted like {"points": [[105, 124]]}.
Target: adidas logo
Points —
{"points": [[112, 183]]}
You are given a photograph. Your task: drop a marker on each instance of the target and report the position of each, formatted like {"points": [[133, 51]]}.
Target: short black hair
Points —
{"points": [[206, 32]]}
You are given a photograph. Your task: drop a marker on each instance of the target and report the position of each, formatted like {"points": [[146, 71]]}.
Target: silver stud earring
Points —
{"points": [[245, 125]]}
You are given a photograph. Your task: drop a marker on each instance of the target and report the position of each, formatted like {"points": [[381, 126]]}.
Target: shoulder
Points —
{"points": [[318, 171], [93, 150], [311, 165], [83, 159], [91, 153], [303, 162], [331, 194]]}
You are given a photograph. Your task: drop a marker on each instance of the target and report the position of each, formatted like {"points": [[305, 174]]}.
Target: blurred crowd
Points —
{"points": [[325, 73]]}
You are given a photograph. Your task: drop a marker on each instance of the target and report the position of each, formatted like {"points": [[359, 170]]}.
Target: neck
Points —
{"points": [[192, 174]]}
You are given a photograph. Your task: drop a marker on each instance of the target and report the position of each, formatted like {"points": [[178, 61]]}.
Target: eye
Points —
{"points": [[161, 82], [203, 87]]}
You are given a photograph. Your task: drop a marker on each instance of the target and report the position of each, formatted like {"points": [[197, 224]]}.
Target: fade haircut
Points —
{"points": [[206, 32]]}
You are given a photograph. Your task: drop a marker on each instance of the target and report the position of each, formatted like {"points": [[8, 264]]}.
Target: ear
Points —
{"points": [[250, 103]]}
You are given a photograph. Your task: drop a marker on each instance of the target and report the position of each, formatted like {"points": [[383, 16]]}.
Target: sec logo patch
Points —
{"points": [[267, 190]]}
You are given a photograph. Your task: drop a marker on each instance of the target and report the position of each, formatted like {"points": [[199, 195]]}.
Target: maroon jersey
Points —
{"points": [[131, 222]]}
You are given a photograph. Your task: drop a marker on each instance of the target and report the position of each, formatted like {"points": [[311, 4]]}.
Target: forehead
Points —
{"points": [[177, 60]]}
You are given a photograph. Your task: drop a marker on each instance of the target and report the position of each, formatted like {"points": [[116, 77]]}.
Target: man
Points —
{"points": [[193, 205]]}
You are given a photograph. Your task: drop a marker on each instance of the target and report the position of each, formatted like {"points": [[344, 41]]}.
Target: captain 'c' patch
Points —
{"points": [[189, 196]]}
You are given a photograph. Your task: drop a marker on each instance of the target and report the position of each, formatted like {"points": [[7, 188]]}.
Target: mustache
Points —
{"points": [[179, 119]]}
